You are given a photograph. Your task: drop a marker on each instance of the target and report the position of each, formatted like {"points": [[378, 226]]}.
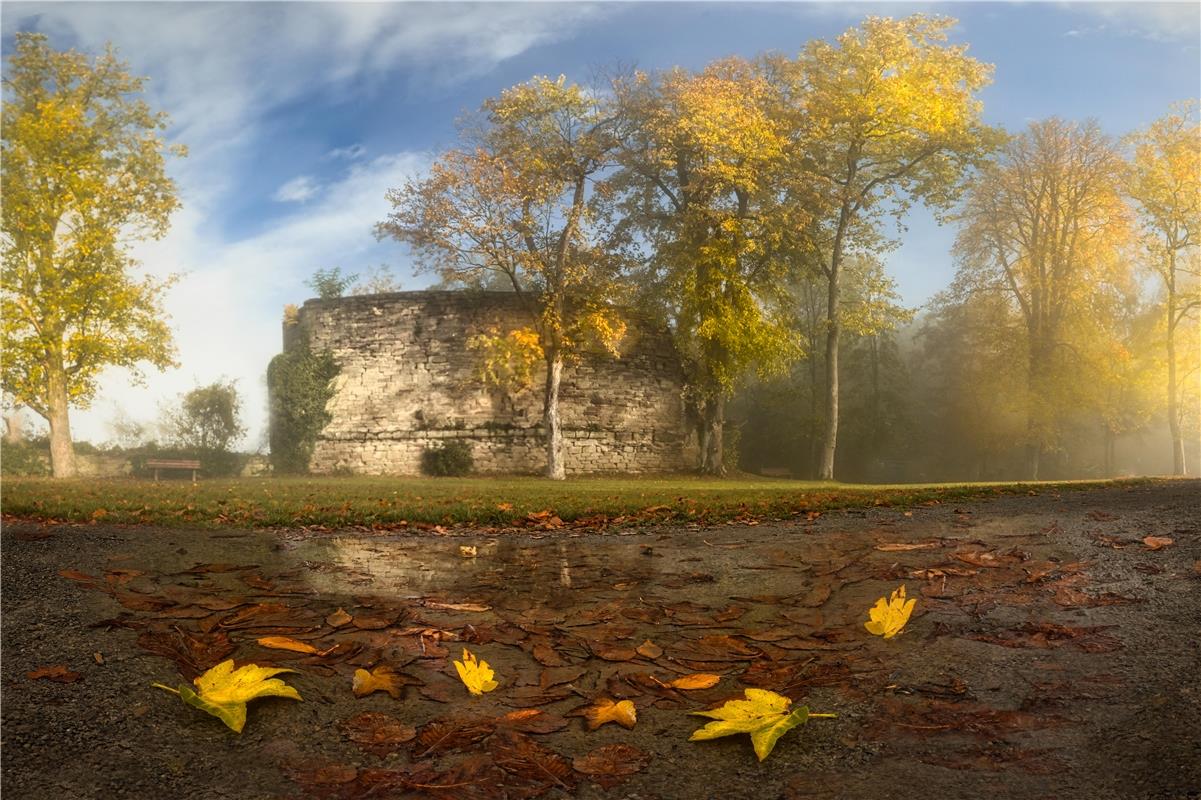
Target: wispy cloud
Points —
{"points": [[227, 306], [298, 190], [1158, 22], [220, 70], [351, 153]]}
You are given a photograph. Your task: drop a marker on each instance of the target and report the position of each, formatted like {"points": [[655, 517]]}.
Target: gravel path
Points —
{"points": [[1054, 654]]}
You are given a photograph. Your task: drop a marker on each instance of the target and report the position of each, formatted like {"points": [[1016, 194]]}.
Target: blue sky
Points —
{"points": [[299, 116]]}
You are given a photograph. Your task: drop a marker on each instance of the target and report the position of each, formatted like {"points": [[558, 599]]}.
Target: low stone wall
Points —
{"points": [[409, 382]]}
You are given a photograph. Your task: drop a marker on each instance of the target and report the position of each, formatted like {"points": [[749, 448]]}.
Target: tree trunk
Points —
{"points": [[62, 453], [713, 423], [1178, 465], [833, 328], [1109, 448], [550, 418]]}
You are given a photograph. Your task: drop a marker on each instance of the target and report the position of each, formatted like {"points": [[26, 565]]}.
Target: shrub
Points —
{"points": [[298, 384], [24, 458], [449, 459]]}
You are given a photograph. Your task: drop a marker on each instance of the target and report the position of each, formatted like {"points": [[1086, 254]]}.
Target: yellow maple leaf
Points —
{"points": [[380, 679], [605, 710], [889, 616], [224, 691], [764, 715], [476, 675]]}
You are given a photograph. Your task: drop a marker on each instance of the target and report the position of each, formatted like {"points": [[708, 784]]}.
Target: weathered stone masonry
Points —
{"points": [[408, 382]]}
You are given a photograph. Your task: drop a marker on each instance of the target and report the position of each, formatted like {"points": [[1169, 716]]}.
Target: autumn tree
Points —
{"points": [[885, 116], [84, 174], [207, 418], [1045, 226], [694, 191], [515, 202], [1164, 180]]}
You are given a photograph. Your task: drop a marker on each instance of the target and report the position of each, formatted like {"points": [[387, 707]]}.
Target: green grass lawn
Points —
{"points": [[383, 502]]}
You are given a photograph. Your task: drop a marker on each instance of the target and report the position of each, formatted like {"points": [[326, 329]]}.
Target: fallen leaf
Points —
{"points": [[446, 735], [468, 551], [611, 764], [606, 710], [224, 691], [897, 547], [477, 676], [379, 734], [698, 680], [1157, 542], [98, 657], [380, 679], [889, 616], [764, 715], [532, 720], [524, 758], [338, 619], [614, 653], [284, 643], [649, 649], [476, 607], [58, 673]]}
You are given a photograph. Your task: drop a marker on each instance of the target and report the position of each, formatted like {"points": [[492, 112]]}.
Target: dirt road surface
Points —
{"points": [[1055, 652]]}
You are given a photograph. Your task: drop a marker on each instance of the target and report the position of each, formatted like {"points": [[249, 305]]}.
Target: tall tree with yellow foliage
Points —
{"points": [[696, 192], [1047, 227], [884, 116], [516, 203], [84, 172], [1164, 180]]}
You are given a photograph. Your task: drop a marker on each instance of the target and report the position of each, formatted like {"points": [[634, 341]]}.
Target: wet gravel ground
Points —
{"points": [[1116, 716]]}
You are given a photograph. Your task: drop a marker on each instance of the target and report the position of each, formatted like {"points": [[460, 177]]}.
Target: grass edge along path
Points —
{"points": [[382, 503]]}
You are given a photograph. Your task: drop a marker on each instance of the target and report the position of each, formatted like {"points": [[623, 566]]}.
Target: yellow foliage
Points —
{"points": [[764, 715], [224, 692], [889, 616], [477, 676]]}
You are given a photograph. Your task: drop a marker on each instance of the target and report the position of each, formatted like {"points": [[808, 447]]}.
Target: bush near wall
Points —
{"points": [[24, 458], [298, 384], [450, 459]]}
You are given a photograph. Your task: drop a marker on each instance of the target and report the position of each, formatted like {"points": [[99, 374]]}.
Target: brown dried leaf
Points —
{"points": [[526, 759], [1157, 542], [338, 619], [57, 673], [611, 764], [649, 649], [376, 733], [447, 735], [474, 607], [547, 656], [612, 653], [898, 547]]}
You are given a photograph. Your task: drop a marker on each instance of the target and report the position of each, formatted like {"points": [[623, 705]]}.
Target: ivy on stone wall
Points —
{"points": [[298, 384]]}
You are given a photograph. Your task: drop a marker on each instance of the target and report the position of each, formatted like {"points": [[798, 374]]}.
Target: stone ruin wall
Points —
{"points": [[408, 382]]}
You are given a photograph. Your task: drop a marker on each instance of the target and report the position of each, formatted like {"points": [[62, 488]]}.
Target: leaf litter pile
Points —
{"points": [[543, 666]]}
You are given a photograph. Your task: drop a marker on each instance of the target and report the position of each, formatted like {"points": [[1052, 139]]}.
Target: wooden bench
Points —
{"points": [[162, 463]]}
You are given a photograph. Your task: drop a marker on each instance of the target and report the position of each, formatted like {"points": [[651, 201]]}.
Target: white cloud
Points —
{"points": [[1159, 22], [352, 153], [298, 190], [227, 306], [219, 70]]}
